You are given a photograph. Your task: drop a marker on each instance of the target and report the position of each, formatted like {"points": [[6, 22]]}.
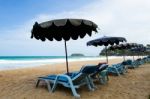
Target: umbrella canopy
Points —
{"points": [[123, 47], [106, 40], [63, 29], [138, 48]]}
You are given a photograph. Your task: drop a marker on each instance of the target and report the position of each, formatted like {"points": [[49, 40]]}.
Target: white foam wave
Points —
{"points": [[15, 64]]}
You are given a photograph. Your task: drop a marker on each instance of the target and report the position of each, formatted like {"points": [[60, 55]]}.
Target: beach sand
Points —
{"points": [[20, 83]]}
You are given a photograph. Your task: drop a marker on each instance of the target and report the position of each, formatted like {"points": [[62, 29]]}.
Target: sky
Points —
{"points": [[125, 18]]}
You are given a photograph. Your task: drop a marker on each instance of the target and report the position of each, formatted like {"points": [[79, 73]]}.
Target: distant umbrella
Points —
{"points": [[63, 29], [138, 48], [124, 46], [106, 41]]}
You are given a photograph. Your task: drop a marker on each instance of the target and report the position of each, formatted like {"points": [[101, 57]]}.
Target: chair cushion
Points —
{"points": [[89, 69], [62, 79], [102, 67], [53, 77]]}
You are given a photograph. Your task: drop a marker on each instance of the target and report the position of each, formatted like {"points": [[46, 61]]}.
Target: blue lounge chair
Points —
{"points": [[101, 74], [131, 64], [140, 61], [116, 69], [147, 59], [71, 80]]}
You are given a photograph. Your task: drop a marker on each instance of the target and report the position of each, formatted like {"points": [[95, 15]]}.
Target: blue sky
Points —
{"points": [[17, 12], [127, 18]]}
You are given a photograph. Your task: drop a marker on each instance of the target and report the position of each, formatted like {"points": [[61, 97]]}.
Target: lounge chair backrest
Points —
{"points": [[102, 67], [83, 73], [138, 59], [127, 62], [88, 69], [79, 78], [99, 68], [119, 65]]}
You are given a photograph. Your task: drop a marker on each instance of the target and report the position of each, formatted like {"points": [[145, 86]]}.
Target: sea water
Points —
{"points": [[15, 62]]}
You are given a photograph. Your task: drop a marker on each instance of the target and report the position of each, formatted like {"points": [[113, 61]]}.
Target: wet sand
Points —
{"points": [[20, 83]]}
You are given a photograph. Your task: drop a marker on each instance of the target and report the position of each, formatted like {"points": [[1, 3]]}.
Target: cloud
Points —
{"points": [[127, 18]]}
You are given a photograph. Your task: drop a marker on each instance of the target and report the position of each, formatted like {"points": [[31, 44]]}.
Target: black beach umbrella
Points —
{"points": [[134, 51], [106, 41], [63, 29], [130, 46], [123, 47], [138, 48], [143, 51], [119, 47]]}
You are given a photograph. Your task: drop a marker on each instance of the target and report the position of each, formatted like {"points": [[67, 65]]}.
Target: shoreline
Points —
{"points": [[14, 64]]}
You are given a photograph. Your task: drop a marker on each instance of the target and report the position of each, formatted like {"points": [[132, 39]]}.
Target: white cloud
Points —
{"points": [[127, 18]]}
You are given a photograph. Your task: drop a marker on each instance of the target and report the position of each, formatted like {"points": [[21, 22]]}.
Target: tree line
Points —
{"points": [[128, 52]]}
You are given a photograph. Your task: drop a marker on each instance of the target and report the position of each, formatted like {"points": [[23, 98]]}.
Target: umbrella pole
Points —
{"points": [[66, 57], [133, 57], [124, 55], [106, 54]]}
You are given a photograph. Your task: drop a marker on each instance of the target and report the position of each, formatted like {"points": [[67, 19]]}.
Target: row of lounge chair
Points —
{"points": [[88, 74], [122, 68], [136, 63]]}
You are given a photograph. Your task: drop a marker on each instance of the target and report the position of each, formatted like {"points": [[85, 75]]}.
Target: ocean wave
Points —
{"points": [[15, 64]]}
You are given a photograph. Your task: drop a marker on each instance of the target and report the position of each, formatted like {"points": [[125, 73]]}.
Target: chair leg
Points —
{"points": [[126, 68], [55, 84], [73, 89], [70, 84], [123, 71], [118, 74], [48, 85], [37, 83], [90, 83], [103, 78], [107, 77], [99, 78]]}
